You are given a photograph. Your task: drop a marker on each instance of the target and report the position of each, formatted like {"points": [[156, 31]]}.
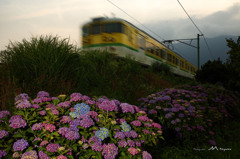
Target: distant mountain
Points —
{"points": [[218, 49]]}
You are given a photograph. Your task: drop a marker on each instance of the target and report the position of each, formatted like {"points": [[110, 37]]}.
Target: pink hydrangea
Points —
{"points": [[49, 127], [61, 157], [143, 118], [132, 151]]}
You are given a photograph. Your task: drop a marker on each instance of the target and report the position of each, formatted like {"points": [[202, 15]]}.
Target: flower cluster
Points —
{"points": [[62, 127], [102, 134], [191, 111]]}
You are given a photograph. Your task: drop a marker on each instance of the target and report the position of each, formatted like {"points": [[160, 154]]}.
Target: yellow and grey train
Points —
{"points": [[122, 38]]}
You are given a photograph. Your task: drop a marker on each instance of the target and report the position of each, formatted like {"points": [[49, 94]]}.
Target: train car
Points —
{"points": [[122, 38]]}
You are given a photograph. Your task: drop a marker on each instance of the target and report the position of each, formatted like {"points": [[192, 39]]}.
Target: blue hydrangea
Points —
{"points": [[102, 134], [80, 109], [125, 127]]}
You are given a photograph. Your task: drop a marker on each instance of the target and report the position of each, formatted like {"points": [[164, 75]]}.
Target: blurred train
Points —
{"points": [[122, 38]]}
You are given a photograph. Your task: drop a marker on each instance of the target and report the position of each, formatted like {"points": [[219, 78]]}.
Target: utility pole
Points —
{"points": [[189, 44]]}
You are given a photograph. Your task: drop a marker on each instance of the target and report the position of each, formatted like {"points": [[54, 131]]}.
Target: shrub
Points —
{"points": [[76, 127], [190, 115]]}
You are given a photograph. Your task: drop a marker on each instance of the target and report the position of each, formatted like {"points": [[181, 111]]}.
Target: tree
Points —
{"points": [[213, 72], [234, 63]]}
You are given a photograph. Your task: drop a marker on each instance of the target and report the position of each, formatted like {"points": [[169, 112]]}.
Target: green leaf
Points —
{"points": [[18, 135]]}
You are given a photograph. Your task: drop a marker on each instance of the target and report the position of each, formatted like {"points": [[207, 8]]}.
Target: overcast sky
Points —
{"points": [[26, 18]]}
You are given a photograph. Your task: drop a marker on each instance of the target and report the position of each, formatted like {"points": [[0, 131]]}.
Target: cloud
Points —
{"points": [[225, 22]]}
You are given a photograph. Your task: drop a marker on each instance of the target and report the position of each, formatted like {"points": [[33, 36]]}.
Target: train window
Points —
{"points": [[173, 59], [85, 31], [177, 61], [96, 29], [169, 57], [157, 51], [113, 28], [163, 54]]}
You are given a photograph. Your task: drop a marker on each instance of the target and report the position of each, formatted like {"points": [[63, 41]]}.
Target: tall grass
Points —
{"points": [[56, 66]]}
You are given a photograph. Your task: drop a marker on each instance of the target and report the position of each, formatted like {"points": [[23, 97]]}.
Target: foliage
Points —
{"points": [[213, 72], [161, 68], [76, 126], [234, 63], [191, 115]]}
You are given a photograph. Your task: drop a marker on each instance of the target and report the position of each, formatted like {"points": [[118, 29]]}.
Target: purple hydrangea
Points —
{"points": [[143, 118], [127, 108], [136, 123], [156, 125], [24, 104], [86, 122], [20, 97], [131, 143], [42, 94], [52, 147], [42, 112], [17, 123], [74, 124], [108, 106], [119, 135], [97, 146], [43, 155], [122, 143], [3, 133], [2, 153], [63, 130], [152, 111], [49, 127], [37, 126], [4, 113], [110, 151], [66, 119], [133, 134], [75, 97], [20, 145], [72, 135], [65, 104], [32, 154], [146, 155]]}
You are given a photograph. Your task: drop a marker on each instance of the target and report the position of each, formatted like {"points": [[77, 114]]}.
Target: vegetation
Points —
{"points": [[227, 74], [55, 66]]}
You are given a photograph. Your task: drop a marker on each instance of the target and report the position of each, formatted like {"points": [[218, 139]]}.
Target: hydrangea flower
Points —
{"points": [[75, 97], [37, 126], [146, 155], [143, 118], [17, 122], [97, 146], [61, 157], [24, 104], [52, 147], [132, 151], [20, 145], [32, 154], [127, 108], [80, 109], [66, 119], [156, 125], [43, 155], [110, 151], [2, 153], [65, 104], [102, 133], [3, 133], [125, 127], [72, 135], [108, 106], [136, 123], [20, 97], [4, 113], [122, 143], [86, 122], [49, 127], [119, 135]]}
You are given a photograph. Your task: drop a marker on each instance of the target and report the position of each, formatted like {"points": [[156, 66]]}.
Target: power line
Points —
{"points": [[136, 20], [209, 50]]}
